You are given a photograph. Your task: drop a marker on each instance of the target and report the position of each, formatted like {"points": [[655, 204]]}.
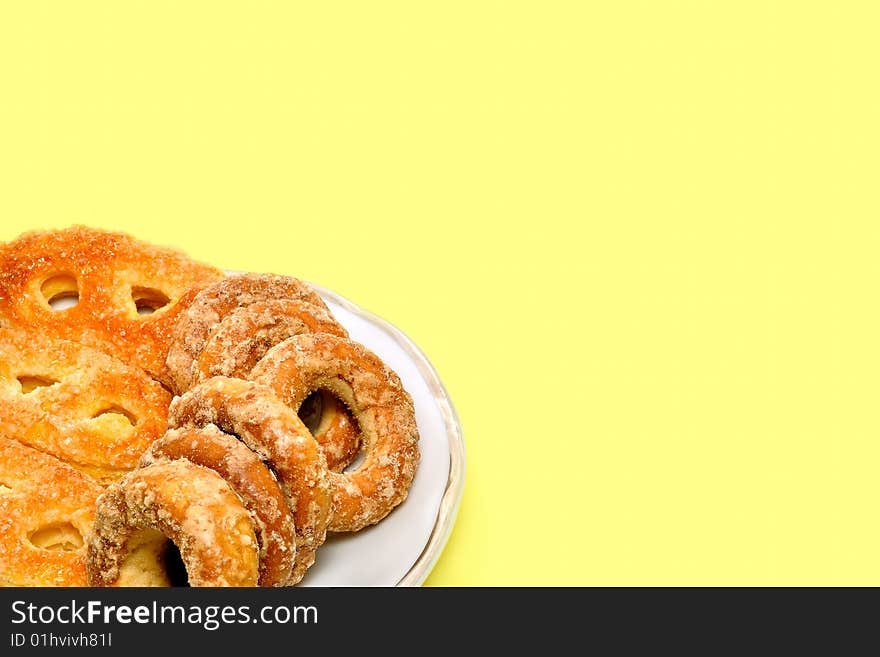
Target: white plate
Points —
{"points": [[402, 549]]}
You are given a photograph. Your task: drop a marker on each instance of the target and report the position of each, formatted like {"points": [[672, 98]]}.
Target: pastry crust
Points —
{"points": [[77, 403], [254, 414], [243, 337], [383, 409], [46, 508], [212, 304], [249, 477], [114, 278], [178, 501]]}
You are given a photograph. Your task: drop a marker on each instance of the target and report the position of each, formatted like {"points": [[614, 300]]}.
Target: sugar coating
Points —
{"points": [[214, 303], [241, 338], [66, 417], [188, 504], [106, 266], [381, 406], [263, 423], [253, 482], [41, 491]]}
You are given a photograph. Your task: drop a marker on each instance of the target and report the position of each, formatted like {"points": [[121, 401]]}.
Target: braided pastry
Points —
{"points": [[244, 336]]}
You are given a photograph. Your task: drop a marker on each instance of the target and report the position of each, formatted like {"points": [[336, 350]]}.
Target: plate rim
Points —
{"points": [[450, 503]]}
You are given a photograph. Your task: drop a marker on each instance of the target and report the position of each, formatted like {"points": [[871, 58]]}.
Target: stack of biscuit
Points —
{"points": [[162, 423]]}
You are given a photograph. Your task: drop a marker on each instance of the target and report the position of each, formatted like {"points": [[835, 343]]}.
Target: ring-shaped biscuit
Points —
{"points": [[213, 303], [376, 398], [266, 425], [244, 336], [189, 505], [249, 477]]}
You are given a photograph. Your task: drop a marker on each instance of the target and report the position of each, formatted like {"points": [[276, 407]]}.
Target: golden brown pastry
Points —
{"points": [[46, 508], [128, 294], [212, 304], [383, 409], [243, 337], [149, 516], [254, 414], [77, 403], [250, 478]]}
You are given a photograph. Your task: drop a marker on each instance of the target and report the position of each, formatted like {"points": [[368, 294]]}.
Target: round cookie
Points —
{"points": [[243, 337], [238, 342], [249, 477], [376, 398], [138, 518], [255, 415], [212, 304]]}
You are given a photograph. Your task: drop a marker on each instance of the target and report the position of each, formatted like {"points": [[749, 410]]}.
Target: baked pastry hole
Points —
{"points": [[152, 560], [319, 409], [60, 291], [174, 565], [318, 412], [120, 413], [30, 383], [148, 300], [60, 536], [5, 489], [311, 411]]}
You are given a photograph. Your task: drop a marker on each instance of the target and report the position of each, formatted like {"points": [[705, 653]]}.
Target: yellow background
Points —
{"points": [[637, 239]]}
